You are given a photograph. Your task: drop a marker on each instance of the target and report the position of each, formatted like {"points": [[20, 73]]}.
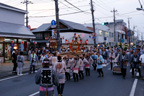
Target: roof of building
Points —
{"points": [[71, 27], [43, 27], [14, 30], [8, 7]]}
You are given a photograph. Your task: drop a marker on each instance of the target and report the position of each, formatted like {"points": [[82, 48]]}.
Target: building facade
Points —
{"points": [[13, 33], [67, 31]]}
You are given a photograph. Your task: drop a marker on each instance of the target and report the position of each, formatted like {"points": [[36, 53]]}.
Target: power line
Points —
{"points": [[59, 15], [60, 8], [75, 6]]}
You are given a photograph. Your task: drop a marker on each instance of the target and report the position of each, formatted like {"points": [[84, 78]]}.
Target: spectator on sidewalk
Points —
{"points": [[14, 59], [20, 62], [33, 60]]}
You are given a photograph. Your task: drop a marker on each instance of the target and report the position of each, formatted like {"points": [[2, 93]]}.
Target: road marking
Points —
{"points": [[132, 93], [109, 68], [12, 77], [34, 93]]}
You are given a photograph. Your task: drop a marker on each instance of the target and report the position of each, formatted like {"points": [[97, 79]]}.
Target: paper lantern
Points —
{"points": [[35, 43], [66, 41], [22, 42], [80, 41], [11, 41], [86, 42], [83, 35]]}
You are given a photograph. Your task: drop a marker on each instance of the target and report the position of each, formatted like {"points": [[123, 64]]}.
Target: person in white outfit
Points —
{"points": [[20, 62], [60, 68]]}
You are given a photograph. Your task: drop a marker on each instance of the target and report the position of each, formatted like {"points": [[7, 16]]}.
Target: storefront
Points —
{"points": [[7, 45]]}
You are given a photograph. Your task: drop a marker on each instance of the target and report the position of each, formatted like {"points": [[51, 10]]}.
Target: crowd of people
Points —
{"points": [[78, 66]]}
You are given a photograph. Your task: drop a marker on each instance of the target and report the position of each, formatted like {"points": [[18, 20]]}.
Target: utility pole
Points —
{"points": [[57, 25], [129, 31], [27, 2], [114, 11], [93, 21]]}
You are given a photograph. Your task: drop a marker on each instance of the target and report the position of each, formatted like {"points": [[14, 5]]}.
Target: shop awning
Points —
{"points": [[15, 31]]}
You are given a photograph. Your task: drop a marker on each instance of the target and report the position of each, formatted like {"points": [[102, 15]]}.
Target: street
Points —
{"points": [[109, 85]]}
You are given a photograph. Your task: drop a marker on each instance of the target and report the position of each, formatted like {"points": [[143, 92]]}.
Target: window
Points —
{"points": [[110, 34], [106, 34], [100, 32], [39, 35]]}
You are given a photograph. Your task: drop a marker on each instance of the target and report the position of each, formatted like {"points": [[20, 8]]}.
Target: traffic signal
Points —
{"points": [[105, 23]]}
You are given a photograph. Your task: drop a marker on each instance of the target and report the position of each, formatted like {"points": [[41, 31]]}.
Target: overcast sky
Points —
{"points": [[126, 9]]}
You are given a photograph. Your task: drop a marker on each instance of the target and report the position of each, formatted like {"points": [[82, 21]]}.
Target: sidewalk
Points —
{"points": [[6, 68]]}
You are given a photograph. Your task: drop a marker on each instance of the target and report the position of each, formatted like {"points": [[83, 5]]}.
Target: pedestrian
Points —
{"points": [[33, 60], [122, 61], [135, 64], [14, 59], [46, 78], [20, 62], [60, 68], [99, 65]]}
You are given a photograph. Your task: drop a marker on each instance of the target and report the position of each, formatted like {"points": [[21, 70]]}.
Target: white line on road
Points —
{"points": [[12, 77], [132, 93], [109, 68], [34, 93]]}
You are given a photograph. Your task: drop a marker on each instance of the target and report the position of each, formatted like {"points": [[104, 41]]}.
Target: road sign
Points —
{"points": [[53, 22]]}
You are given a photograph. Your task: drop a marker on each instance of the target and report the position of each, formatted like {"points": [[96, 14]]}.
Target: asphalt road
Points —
{"points": [[109, 85]]}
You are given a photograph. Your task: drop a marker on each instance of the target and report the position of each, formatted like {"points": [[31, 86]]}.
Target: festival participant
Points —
{"points": [[75, 67], [105, 55], [99, 65], [122, 60], [68, 63], [112, 58], [60, 68], [142, 61], [135, 64], [88, 64], [94, 57], [81, 69], [46, 81]]}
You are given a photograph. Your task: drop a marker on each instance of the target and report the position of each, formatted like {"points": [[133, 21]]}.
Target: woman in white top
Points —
{"points": [[60, 68]]}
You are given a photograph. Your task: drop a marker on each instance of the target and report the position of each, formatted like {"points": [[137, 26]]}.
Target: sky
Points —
{"points": [[43, 11]]}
